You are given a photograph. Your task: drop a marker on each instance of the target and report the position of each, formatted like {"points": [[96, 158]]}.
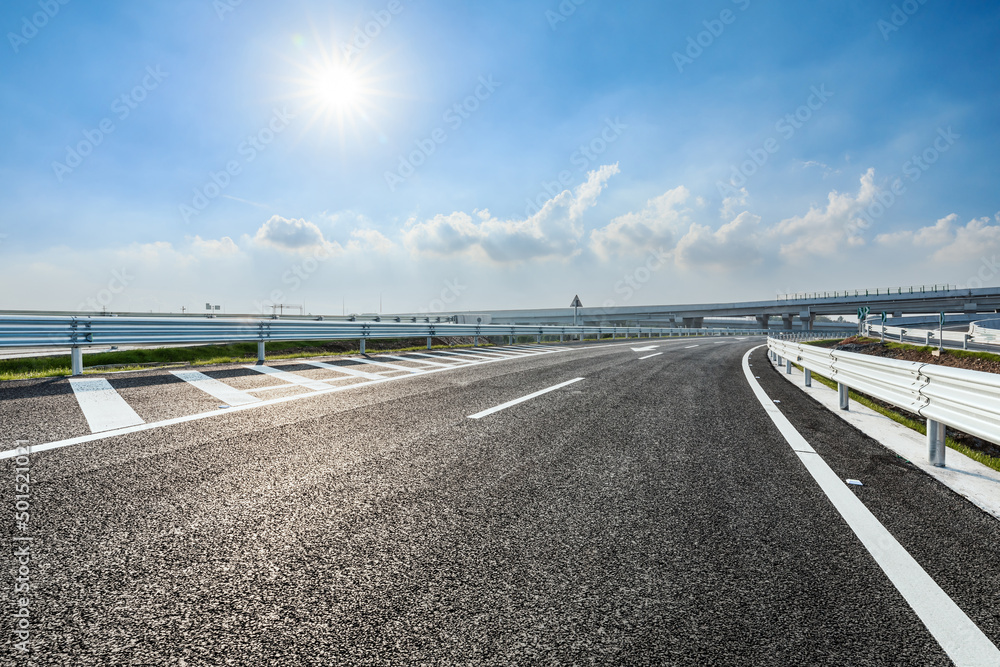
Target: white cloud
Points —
{"points": [[553, 232], [296, 235], [736, 244], [211, 247], [826, 231], [369, 239], [938, 235], [951, 243], [652, 227], [733, 202]]}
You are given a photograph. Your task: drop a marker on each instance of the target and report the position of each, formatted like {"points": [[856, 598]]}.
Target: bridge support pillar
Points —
{"points": [[694, 322], [788, 321], [808, 321], [762, 321], [76, 360]]}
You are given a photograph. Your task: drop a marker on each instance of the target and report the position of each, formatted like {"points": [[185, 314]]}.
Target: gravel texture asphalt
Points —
{"points": [[650, 514]]}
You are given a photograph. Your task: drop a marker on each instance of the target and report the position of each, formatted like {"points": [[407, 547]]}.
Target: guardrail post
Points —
{"points": [[809, 377], [429, 343], [927, 339], [510, 340], [260, 352], [538, 339], [475, 341], [936, 432], [362, 346], [965, 342], [845, 396], [76, 360], [788, 366]]}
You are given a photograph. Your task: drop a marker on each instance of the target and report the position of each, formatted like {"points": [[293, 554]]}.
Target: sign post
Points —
{"points": [[941, 334], [862, 314], [885, 318], [576, 305]]}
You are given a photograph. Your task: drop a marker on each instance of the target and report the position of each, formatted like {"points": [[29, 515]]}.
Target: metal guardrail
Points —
{"points": [[985, 331], [966, 400], [78, 332], [874, 291]]}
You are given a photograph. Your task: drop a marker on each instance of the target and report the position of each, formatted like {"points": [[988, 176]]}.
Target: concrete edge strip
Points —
{"points": [[960, 638]]}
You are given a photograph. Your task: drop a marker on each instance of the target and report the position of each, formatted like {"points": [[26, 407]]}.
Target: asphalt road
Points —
{"points": [[650, 513]]}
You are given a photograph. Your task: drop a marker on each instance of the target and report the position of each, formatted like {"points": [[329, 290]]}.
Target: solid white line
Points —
{"points": [[290, 378], [960, 638], [690, 346], [103, 407], [484, 413], [650, 356], [395, 367], [344, 369], [212, 387]]}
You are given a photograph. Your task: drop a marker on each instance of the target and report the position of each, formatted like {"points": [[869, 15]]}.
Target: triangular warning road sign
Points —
{"points": [[576, 302]]}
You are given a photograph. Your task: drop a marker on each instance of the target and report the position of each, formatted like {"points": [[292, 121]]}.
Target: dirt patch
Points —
{"points": [[922, 355]]}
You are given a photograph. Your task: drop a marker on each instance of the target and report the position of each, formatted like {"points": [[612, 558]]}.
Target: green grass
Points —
{"points": [[202, 355], [917, 425]]}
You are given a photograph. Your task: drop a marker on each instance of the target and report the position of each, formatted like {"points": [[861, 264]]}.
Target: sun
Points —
{"points": [[340, 94], [339, 89]]}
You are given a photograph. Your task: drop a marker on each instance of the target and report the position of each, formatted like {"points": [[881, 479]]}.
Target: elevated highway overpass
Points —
{"points": [[790, 312]]}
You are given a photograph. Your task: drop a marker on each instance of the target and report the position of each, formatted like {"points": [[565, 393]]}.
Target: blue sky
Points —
{"points": [[165, 154]]}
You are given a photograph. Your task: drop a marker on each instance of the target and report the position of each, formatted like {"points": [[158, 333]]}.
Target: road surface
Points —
{"points": [[641, 507]]}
